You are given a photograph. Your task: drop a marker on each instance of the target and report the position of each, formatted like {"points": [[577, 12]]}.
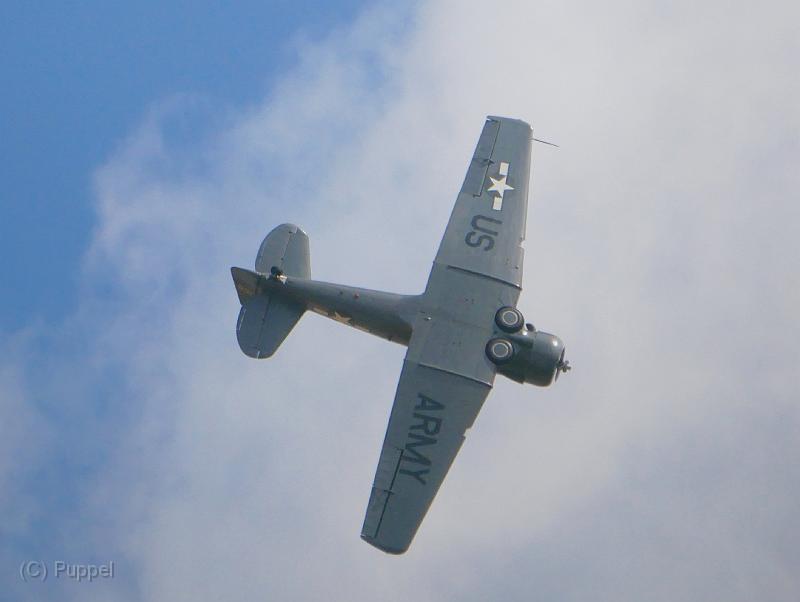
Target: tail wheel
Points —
{"points": [[500, 351], [509, 319]]}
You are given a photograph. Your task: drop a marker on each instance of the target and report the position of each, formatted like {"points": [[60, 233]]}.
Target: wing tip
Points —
{"points": [[383, 547], [509, 120]]}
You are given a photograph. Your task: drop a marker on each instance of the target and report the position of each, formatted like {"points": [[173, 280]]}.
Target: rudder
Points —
{"points": [[285, 248]]}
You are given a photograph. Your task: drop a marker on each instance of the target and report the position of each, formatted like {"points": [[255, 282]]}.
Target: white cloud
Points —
{"points": [[661, 242], [23, 437]]}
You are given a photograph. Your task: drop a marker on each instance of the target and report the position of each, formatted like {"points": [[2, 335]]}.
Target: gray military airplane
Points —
{"points": [[460, 332]]}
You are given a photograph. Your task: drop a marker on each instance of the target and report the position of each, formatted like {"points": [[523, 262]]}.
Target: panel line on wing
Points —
{"points": [[486, 276], [454, 373], [481, 159], [385, 475], [389, 492]]}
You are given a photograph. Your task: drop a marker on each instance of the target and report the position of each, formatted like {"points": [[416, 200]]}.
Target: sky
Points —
{"points": [[147, 150], [78, 77]]}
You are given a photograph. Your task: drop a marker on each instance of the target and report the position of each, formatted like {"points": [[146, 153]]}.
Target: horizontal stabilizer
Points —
{"points": [[246, 283], [264, 319]]}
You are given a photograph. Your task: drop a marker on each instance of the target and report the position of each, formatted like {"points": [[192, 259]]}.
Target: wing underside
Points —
{"points": [[446, 375], [432, 411], [487, 226]]}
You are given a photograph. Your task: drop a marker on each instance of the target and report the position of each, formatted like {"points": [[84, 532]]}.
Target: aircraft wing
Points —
{"points": [[432, 410], [446, 375], [487, 226]]}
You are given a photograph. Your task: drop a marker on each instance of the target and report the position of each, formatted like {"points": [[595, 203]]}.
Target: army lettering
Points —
{"points": [[421, 433]]}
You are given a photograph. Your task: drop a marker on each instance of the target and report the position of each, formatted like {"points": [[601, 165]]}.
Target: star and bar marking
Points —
{"points": [[499, 186]]}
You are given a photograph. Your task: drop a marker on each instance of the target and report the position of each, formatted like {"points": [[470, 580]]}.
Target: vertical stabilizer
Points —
{"points": [[285, 248], [266, 318]]}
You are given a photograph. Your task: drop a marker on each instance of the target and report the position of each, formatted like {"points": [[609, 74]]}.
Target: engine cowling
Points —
{"points": [[537, 357], [525, 354]]}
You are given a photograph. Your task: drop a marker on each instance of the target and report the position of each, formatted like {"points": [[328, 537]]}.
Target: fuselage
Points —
{"points": [[534, 357], [386, 315]]}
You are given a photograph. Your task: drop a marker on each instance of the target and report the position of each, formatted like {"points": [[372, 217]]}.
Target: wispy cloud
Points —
{"points": [[23, 437], [660, 240]]}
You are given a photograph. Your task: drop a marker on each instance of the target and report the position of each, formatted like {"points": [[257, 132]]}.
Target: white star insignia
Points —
{"points": [[499, 186]]}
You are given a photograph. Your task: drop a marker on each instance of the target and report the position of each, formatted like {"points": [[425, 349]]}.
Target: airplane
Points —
{"points": [[462, 331]]}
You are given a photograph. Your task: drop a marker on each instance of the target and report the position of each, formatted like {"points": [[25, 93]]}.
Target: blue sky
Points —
{"points": [[147, 150], [77, 78]]}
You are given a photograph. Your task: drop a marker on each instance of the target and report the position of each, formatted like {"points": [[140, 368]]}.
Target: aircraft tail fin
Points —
{"points": [[265, 320], [285, 248]]}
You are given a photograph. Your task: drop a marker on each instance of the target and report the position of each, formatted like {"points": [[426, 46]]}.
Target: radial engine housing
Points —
{"points": [[538, 357]]}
